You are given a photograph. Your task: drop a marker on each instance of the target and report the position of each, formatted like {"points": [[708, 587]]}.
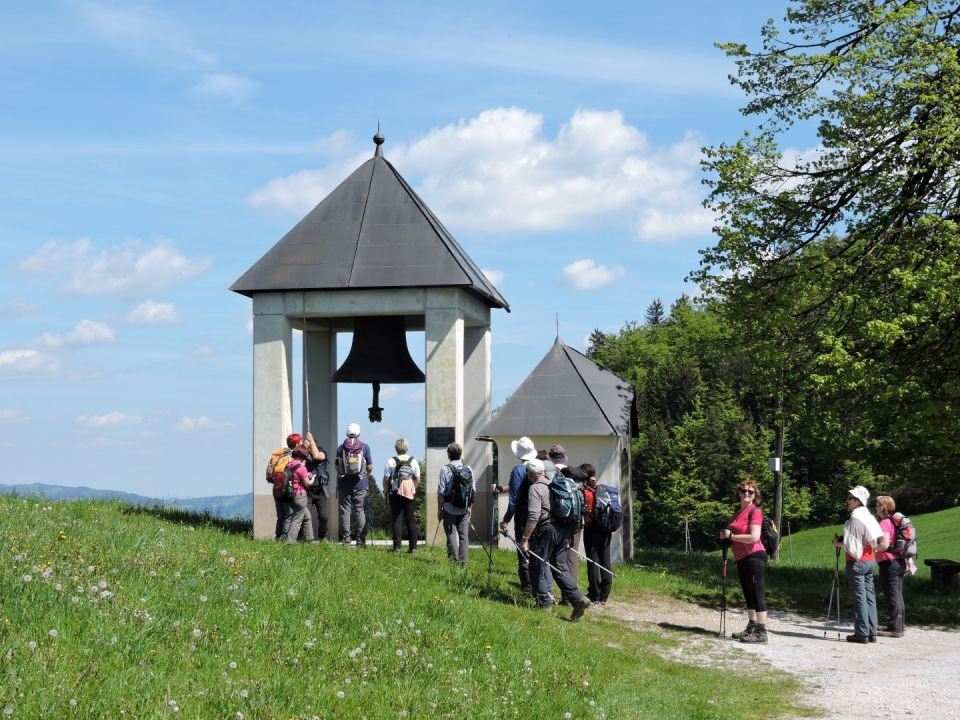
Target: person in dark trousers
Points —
{"points": [[524, 449], [317, 501], [401, 478], [548, 539], [596, 543], [354, 465], [892, 570], [743, 532]]}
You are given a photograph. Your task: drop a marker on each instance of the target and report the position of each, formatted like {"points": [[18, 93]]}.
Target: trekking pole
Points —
{"points": [[486, 550], [592, 562], [434, 541], [723, 600], [834, 590], [529, 552]]}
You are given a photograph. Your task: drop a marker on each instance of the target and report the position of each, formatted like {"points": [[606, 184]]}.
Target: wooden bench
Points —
{"points": [[944, 574]]}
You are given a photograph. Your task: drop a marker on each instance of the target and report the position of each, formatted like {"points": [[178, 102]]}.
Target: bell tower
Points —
{"points": [[371, 259]]}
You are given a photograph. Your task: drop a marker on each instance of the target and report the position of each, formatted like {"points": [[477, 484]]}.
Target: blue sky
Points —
{"points": [[151, 152]]}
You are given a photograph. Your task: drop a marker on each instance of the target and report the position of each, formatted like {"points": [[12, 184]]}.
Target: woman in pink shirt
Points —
{"points": [[743, 532], [301, 481], [892, 569]]}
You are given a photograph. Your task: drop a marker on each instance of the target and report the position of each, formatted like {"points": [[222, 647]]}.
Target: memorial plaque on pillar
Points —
{"points": [[440, 437]]}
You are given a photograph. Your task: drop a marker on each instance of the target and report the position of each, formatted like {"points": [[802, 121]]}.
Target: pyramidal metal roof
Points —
{"points": [[567, 394], [372, 231]]}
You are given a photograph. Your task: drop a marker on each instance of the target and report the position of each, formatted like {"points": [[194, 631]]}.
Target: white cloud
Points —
{"points": [[587, 275], [389, 392], [20, 360], [204, 351], [499, 172], [17, 307], [188, 424], [131, 267], [13, 417], [233, 89], [153, 313], [418, 394], [86, 332], [110, 419], [494, 276]]}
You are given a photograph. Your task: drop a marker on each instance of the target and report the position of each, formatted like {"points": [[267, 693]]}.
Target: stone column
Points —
{"points": [[320, 396], [444, 340], [476, 403], [272, 394]]}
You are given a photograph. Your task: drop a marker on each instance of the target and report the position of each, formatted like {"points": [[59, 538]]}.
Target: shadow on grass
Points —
{"points": [[233, 526], [804, 590]]}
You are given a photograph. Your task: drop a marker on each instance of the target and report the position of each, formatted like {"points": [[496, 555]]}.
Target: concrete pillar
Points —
{"points": [[444, 340], [476, 414], [320, 396], [272, 395]]}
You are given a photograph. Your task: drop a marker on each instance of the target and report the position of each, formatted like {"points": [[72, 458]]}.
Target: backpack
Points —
{"points": [[283, 482], [460, 494], [352, 460], [278, 461], [905, 537], [769, 535], [402, 470], [567, 501], [607, 512]]}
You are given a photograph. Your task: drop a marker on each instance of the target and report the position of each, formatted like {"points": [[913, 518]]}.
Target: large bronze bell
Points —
{"points": [[379, 354]]}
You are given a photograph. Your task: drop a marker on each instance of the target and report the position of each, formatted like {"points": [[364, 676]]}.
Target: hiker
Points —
{"points": [[455, 492], [300, 518], [401, 478], [354, 464], [317, 493], [892, 570], [284, 509], [743, 533], [596, 543], [524, 449], [546, 537], [862, 537]]}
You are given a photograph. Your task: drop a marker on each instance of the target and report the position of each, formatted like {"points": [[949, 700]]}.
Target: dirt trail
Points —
{"points": [[845, 680]]}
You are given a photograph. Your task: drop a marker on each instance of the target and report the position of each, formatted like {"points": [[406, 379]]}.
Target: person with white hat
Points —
{"points": [[862, 537], [354, 464], [524, 449]]}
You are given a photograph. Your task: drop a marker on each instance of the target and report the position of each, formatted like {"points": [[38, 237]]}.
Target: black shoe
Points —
{"points": [[861, 639], [872, 638], [579, 608]]}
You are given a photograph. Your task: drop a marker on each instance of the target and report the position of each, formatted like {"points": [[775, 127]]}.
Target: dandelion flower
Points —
{"points": [[203, 598], [196, 632], [27, 578], [567, 716], [73, 702], [102, 584], [91, 569], [341, 694], [308, 623], [239, 716], [233, 665], [53, 632], [291, 592], [244, 693], [113, 640], [8, 710], [32, 645]]}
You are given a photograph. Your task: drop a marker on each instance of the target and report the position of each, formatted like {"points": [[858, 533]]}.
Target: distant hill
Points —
{"points": [[222, 505]]}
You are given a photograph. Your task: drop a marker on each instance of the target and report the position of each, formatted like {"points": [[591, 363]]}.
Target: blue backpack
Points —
{"points": [[606, 507]]}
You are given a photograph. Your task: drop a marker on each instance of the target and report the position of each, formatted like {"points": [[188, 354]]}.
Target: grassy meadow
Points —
{"points": [[113, 611]]}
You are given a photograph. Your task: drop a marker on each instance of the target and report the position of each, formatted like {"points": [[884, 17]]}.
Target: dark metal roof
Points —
{"points": [[567, 394], [372, 231]]}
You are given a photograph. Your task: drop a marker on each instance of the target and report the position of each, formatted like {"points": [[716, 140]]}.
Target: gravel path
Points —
{"points": [[842, 678]]}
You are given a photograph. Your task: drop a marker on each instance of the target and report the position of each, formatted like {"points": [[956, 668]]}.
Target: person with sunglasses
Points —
{"points": [[743, 533]]}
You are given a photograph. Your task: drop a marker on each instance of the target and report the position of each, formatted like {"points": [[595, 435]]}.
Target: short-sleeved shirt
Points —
{"points": [[891, 532], [300, 476], [739, 527], [363, 482], [443, 487], [392, 463]]}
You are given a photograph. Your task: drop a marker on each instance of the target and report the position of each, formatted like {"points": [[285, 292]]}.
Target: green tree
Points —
{"points": [[868, 220], [655, 313]]}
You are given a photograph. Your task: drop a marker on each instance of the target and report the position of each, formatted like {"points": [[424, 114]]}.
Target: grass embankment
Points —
{"points": [[110, 611], [801, 580]]}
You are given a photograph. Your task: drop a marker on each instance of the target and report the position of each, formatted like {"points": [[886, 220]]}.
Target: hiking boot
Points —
{"points": [[891, 633], [579, 608], [872, 638], [758, 636], [860, 639], [748, 630]]}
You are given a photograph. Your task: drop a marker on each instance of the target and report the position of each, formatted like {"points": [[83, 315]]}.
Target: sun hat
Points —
{"points": [[523, 448], [558, 454], [861, 494]]}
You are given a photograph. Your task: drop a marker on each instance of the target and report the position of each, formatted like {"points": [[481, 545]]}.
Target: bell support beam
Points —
{"points": [[321, 361], [272, 395]]}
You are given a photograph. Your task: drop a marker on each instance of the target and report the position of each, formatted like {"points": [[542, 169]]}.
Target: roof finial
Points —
{"points": [[378, 140]]}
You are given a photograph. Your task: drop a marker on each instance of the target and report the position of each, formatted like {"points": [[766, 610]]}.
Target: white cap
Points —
{"points": [[353, 430], [535, 466]]}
